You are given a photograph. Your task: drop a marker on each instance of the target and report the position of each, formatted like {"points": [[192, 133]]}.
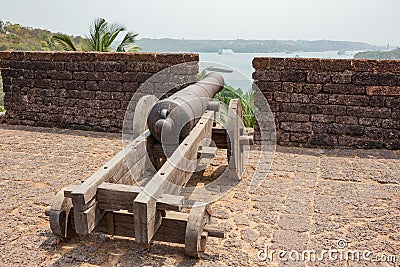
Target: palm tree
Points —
{"points": [[101, 38]]}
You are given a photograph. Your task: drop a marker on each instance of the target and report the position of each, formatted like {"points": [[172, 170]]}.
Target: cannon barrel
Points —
{"points": [[176, 115]]}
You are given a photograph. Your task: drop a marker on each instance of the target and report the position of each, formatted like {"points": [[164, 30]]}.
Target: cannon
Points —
{"points": [[118, 201], [178, 114]]}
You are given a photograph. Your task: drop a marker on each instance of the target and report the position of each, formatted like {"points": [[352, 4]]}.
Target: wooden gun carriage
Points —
{"points": [[111, 201]]}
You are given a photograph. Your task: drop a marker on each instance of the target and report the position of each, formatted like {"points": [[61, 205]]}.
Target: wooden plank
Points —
{"points": [[207, 152], [114, 197], [145, 221], [110, 223], [215, 231], [89, 219], [123, 225], [234, 129], [170, 178], [87, 190], [172, 228], [130, 157], [134, 172], [68, 190], [170, 202], [219, 136]]}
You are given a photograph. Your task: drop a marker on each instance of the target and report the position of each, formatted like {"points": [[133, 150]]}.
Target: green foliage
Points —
{"points": [[128, 40], [227, 94], [246, 99], [17, 37], [392, 54], [64, 41], [102, 37]]}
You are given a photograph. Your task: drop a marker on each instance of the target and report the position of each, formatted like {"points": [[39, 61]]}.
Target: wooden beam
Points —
{"points": [[170, 178], [69, 189], [122, 221], [111, 171], [215, 231], [114, 197], [170, 202], [88, 219], [135, 171], [134, 152], [171, 230], [207, 152], [235, 129]]}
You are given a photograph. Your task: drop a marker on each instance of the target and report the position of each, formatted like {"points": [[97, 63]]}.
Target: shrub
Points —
{"points": [[246, 99]]}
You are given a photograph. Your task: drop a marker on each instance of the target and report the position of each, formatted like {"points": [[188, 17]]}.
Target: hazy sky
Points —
{"points": [[372, 21]]}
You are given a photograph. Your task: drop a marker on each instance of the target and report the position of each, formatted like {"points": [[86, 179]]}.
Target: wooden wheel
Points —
{"points": [[196, 237], [59, 213], [235, 130]]}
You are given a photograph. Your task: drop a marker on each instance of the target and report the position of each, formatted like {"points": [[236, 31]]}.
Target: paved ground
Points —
{"points": [[310, 200]]}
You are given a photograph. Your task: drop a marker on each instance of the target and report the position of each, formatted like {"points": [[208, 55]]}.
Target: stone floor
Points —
{"points": [[311, 200]]}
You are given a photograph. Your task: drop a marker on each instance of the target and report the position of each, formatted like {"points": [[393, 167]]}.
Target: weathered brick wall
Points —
{"points": [[332, 103], [77, 90]]}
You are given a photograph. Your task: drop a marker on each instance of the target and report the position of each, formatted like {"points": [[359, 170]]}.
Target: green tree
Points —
{"points": [[102, 37]]}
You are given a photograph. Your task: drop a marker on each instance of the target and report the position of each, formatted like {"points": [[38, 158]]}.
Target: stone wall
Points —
{"points": [[77, 90], [332, 103]]}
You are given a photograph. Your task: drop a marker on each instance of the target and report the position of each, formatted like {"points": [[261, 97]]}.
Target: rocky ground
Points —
{"points": [[311, 200]]}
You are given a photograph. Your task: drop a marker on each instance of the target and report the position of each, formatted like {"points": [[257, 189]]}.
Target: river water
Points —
{"points": [[242, 63]]}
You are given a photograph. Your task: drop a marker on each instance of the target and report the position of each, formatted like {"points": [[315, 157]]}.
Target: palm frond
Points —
{"points": [[64, 41], [129, 39], [134, 48], [114, 30], [97, 31]]}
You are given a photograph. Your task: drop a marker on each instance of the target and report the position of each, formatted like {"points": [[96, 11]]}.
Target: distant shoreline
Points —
{"points": [[250, 46]]}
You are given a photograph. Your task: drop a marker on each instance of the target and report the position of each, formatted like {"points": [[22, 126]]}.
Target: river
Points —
{"points": [[242, 63]]}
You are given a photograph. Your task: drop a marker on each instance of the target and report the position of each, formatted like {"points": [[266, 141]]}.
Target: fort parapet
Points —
{"points": [[316, 102], [77, 90], [332, 102]]}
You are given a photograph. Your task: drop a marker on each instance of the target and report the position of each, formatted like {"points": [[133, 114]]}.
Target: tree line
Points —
{"points": [[102, 37]]}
